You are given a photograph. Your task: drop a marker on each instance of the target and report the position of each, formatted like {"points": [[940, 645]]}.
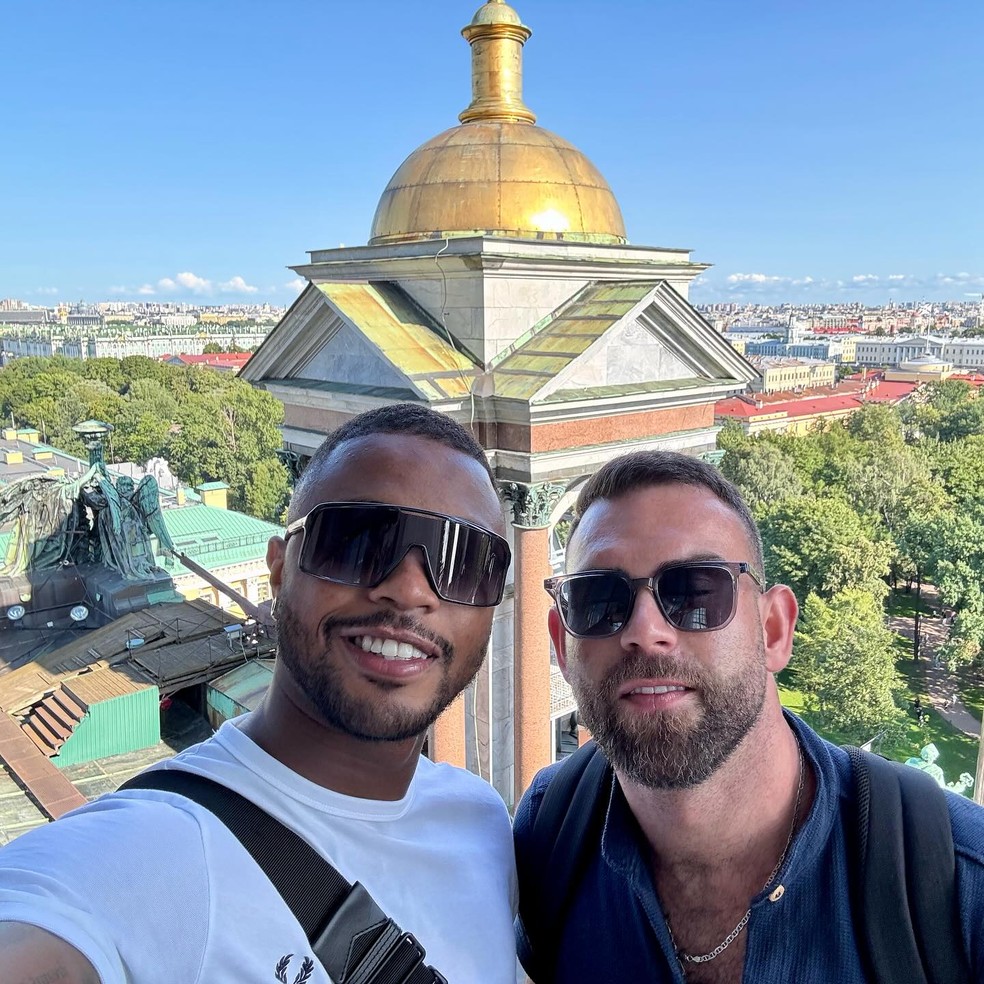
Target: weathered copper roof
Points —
{"points": [[246, 684], [406, 335], [537, 357]]}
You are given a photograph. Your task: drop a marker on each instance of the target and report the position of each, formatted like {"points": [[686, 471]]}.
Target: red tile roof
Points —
{"points": [[733, 407], [833, 403], [222, 360], [974, 378], [870, 374], [806, 408], [890, 392], [837, 403]]}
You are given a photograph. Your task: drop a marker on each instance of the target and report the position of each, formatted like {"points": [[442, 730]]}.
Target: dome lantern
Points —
{"points": [[497, 36], [497, 174]]}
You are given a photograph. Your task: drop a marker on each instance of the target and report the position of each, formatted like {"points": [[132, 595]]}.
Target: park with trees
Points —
{"points": [[877, 524]]}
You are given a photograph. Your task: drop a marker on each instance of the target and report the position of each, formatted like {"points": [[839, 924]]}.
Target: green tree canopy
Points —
{"points": [[845, 665], [763, 472], [959, 466], [210, 426], [819, 545], [876, 423]]}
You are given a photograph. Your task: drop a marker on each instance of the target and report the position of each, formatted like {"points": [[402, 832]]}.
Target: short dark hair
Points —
{"points": [[643, 469], [411, 419]]}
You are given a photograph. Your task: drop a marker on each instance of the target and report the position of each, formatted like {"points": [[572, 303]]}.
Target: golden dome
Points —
{"points": [[497, 174]]}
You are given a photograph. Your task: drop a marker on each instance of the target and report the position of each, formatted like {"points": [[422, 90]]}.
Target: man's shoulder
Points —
{"points": [[532, 799], [541, 782], [439, 780], [967, 822], [120, 823]]}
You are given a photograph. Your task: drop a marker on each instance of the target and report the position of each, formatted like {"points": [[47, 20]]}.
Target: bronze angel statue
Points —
{"points": [[89, 519], [126, 516], [51, 525]]}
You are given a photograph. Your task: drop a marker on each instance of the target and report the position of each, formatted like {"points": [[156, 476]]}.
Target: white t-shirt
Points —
{"points": [[153, 889]]}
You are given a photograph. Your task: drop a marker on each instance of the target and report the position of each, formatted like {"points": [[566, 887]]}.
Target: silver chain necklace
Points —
{"points": [[743, 922]]}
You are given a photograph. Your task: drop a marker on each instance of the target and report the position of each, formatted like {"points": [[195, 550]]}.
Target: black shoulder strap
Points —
{"points": [[349, 933], [908, 912], [560, 844]]}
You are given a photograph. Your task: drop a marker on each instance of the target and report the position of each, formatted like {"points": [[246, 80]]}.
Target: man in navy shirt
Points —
{"points": [[723, 856]]}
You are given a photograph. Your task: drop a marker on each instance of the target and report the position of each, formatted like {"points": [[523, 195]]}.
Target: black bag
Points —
{"points": [[904, 899], [352, 937]]}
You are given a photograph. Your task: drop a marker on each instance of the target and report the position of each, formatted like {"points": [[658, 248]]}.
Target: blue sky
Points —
{"points": [[825, 150]]}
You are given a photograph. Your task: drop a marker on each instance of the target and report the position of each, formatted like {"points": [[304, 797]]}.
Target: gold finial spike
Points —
{"points": [[497, 35]]}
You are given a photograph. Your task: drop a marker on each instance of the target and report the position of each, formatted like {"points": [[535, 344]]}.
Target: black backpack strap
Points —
{"points": [[349, 933], [571, 813], [906, 903]]}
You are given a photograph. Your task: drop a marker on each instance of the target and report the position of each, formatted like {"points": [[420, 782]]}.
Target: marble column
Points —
{"points": [[533, 738]]}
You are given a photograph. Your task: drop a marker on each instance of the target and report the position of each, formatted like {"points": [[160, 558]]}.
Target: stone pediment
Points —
{"points": [[618, 339], [363, 337]]}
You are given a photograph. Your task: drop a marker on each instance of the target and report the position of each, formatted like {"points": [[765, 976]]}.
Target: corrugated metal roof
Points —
{"points": [[106, 683], [158, 625], [246, 684], [563, 336], [181, 663], [389, 318]]}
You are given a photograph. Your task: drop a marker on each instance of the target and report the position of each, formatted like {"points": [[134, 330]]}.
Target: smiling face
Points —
{"points": [[382, 663], [668, 707]]}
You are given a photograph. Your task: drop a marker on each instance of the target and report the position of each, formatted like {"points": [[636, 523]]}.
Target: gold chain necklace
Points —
{"points": [[743, 922]]}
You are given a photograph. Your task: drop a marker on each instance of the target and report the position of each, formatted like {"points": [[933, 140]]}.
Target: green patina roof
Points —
{"points": [[210, 486], [215, 537], [391, 393], [631, 389], [408, 337], [550, 346], [246, 684]]}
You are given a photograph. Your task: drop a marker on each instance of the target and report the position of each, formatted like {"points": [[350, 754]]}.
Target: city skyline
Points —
{"points": [[191, 152]]}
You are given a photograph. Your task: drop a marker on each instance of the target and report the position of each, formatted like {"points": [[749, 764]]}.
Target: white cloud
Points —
{"points": [[898, 276], [864, 279], [299, 283], [753, 278], [237, 286], [47, 290], [187, 282], [194, 283]]}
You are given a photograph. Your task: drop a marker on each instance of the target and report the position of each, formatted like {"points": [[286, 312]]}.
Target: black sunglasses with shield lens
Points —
{"points": [[694, 596], [362, 543]]}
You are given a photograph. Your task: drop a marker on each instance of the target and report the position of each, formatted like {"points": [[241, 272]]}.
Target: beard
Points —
{"points": [[308, 658], [671, 750]]}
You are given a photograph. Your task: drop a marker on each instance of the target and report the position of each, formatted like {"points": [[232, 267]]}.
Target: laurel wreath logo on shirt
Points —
{"points": [[307, 969]]}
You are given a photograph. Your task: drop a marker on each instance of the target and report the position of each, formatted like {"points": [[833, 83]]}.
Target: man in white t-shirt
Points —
{"points": [[384, 589]]}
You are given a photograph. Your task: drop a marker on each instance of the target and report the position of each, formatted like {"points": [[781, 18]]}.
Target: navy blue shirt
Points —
{"points": [[615, 929]]}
